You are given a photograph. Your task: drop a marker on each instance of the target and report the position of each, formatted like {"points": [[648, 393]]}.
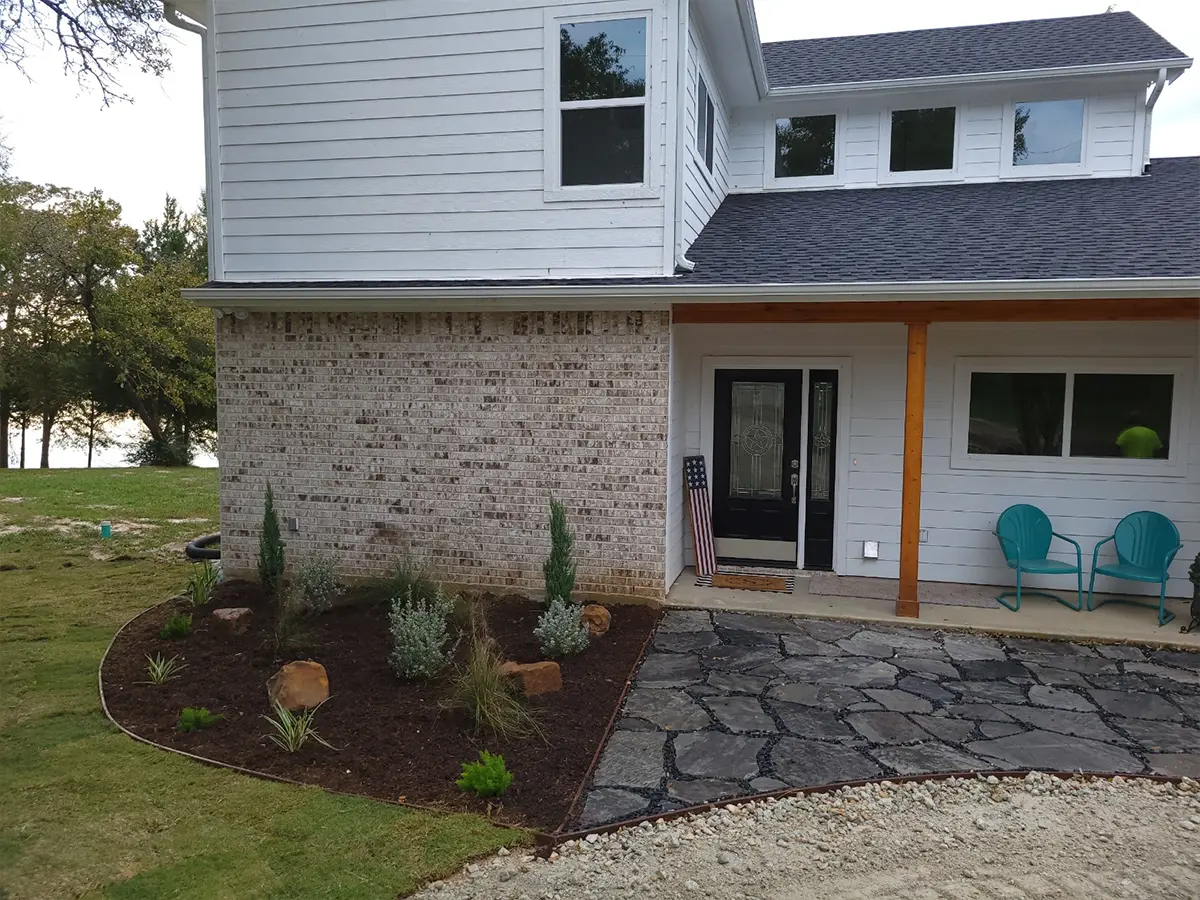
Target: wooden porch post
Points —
{"points": [[910, 502]]}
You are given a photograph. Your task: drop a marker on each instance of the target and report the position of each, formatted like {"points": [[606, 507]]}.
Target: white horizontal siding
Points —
{"points": [[394, 139], [703, 190], [959, 507], [1111, 129]]}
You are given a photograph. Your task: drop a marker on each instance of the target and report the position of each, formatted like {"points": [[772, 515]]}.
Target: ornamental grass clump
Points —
{"points": [[160, 670], [487, 778], [559, 567], [560, 630], [489, 696], [419, 635], [202, 583], [292, 730]]}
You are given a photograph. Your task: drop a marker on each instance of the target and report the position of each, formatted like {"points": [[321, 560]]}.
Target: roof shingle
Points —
{"points": [[974, 49]]}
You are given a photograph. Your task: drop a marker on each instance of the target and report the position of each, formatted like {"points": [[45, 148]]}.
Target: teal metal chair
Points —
{"points": [[1146, 543], [1025, 534]]}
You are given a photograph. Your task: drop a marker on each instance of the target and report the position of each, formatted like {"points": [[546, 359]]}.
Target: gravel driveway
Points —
{"points": [[1018, 839]]}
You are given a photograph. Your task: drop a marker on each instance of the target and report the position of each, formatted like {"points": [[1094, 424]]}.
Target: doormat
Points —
{"points": [[775, 581]]}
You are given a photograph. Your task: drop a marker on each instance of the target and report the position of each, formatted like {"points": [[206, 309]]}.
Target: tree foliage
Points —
{"points": [[593, 70], [93, 37]]}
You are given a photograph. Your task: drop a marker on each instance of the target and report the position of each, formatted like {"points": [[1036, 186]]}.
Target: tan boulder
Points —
{"points": [[536, 678], [596, 618], [232, 620], [299, 685]]}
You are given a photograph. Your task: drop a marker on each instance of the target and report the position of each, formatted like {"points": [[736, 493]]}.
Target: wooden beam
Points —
{"points": [[903, 311], [907, 603]]}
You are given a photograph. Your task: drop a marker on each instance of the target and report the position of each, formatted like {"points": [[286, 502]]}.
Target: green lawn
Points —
{"points": [[87, 812]]}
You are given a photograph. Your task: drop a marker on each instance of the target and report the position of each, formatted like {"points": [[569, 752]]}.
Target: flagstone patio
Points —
{"points": [[728, 704]]}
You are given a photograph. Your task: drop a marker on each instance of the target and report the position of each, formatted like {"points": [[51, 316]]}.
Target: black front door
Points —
{"points": [[756, 463], [819, 480]]}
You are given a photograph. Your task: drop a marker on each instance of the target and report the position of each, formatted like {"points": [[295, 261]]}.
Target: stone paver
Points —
{"points": [[729, 705]]}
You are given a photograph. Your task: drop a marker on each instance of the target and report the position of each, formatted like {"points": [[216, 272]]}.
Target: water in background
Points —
{"points": [[68, 457]]}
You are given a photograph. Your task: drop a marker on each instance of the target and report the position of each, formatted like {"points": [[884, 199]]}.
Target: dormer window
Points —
{"points": [[598, 109], [922, 140], [1048, 133], [804, 146]]}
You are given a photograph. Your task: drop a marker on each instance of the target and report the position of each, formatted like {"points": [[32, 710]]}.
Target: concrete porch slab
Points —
{"points": [[1038, 617]]}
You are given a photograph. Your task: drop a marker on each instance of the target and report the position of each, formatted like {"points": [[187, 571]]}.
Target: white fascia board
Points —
{"points": [[583, 296], [1150, 67], [753, 39]]}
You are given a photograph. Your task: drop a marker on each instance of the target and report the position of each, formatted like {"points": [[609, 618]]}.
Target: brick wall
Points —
{"points": [[444, 435]]}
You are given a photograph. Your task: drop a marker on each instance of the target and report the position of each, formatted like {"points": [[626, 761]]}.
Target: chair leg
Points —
{"points": [[1079, 595], [1163, 616], [1002, 599], [1091, 589]]}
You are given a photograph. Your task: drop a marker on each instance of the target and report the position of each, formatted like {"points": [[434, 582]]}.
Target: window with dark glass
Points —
{"points": [[1125, 416], [704, 123], [602, 99], [922, 139], [804, 146], [1017, 413], [1048, 133]]}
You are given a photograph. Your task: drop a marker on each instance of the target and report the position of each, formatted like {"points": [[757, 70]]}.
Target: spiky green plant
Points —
{"points": [[177, 627], [202, 583], [559, 568], [270, 548], [160, 670], [294, 729]]}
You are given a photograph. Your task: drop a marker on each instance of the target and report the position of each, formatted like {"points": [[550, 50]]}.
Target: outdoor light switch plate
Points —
{"points": [[870, 549], [923, 535], [293, 524]]}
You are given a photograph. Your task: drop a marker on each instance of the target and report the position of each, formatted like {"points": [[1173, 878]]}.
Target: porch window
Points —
{"points": [[599, 103], [1078, 416], [922, 139], [804, 146]]}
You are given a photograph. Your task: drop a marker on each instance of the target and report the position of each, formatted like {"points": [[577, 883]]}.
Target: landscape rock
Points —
{"points": [[233, 620], [299, 685], [536, 678], [596, 618]]}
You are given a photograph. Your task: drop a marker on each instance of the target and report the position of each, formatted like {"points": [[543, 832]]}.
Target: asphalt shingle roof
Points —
{"points": [[973, 49], [1069, 228]]}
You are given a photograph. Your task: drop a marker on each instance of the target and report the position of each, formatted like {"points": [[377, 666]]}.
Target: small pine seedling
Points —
{"points": [[160, 670], [177, 627], [487, 778], [270, 548], [292, 730], [197, 718], [559, 568]]}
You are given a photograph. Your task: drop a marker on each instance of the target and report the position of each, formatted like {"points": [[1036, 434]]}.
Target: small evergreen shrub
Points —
{"points": [[317, 585], [270, 548], [165, 451], [419, 635], [487, 778], [559, 567], [292, 730], [560, 630], [177, 627], [202, 583], [196, 719]]}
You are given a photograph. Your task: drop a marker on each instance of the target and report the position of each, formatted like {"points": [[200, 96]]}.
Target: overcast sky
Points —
{"points": [[138, 152]]}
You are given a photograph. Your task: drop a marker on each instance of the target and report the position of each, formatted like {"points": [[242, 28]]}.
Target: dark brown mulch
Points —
{"points": [[394, 740]]}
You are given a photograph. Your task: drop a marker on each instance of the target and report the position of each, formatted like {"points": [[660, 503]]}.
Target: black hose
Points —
{"points": [[201, 547]]}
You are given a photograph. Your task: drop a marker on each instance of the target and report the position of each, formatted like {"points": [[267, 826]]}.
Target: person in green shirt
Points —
{"points": [[1138, 441]]}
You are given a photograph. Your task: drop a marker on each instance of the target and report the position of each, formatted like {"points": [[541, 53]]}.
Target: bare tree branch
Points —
{"points": [[95, 38]]}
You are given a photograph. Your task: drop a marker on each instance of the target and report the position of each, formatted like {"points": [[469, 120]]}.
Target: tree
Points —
{"points": [[594, 71], [176, 237], [95, 37]]}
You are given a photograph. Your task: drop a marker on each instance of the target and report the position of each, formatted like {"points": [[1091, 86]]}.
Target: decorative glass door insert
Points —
{"points": [[756, 440]]}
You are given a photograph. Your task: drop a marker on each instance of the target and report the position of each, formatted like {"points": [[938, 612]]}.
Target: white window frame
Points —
{"points": [[1175, 465], [701, 119], [554, 190], [805, 181], [925, 176], [1060, 170]]}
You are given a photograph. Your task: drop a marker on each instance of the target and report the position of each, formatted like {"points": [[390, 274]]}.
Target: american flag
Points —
{"points": [[702, 532]]}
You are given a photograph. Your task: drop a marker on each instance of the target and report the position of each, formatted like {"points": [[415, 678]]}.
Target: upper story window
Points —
{"points": [[922, 140], [1087, 416], [1044, 137], [804, 146], [705, 126], [598, 110]]}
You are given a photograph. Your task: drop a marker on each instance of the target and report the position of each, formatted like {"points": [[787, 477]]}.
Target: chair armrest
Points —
{"points": [[1169, 558], [1005, 540], [1075, 544], [1096, 552]]}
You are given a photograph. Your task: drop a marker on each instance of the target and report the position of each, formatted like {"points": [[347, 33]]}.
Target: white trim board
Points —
{"points": [[844, 367]]}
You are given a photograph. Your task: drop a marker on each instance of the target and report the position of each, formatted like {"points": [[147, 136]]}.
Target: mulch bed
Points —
{"points": [[394, 739]]}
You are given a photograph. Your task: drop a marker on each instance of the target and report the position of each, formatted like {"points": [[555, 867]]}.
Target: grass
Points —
{"points": [[87, 812]]}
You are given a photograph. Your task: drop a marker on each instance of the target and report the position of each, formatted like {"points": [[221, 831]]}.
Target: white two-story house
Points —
{"points": [[469, 255]]}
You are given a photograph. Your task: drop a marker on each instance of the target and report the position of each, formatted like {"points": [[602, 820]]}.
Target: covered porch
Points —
{"points": [[906, 498]]}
